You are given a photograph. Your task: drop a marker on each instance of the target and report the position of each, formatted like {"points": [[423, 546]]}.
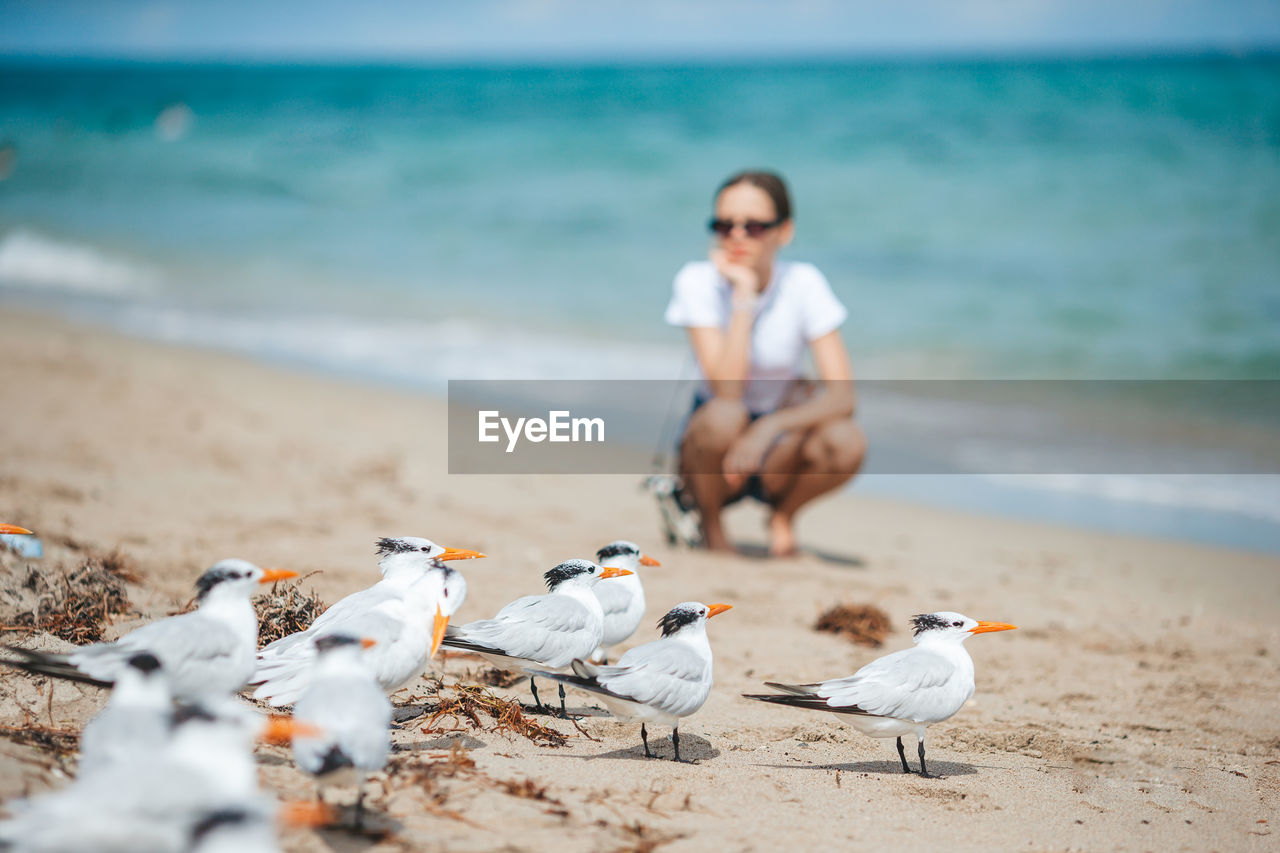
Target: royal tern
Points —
{"points": [[208, 652], [155, 802], [351, 714], [659, 682], [136, 720], [902, 693], [621, 599], [542, 631], [405, 614]]}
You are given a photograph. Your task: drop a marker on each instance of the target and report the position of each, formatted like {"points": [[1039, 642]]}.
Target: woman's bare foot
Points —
{"points": [[713, 539], [713, 534], [782, 537]]}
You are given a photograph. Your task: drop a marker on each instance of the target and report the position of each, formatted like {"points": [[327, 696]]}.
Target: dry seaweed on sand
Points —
{"points": [[643, 839], [74, 605], [60, 742], [425, 773], [472, 703], [863, 624], [285, 610], [494, 677]]}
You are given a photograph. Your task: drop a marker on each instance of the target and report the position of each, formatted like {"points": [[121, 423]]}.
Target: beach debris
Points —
{"points": [[60, 742], [474, 704], [494, 677], [424, 773], [74, 605], [644, 839], [285, 609], [861, 624]]}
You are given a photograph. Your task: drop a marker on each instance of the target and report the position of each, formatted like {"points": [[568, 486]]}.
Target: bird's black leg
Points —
{"points": [[923, 772], [564, 712], [644, 736], [533, 685], [675, 741], [360, 808], [902, 753]]}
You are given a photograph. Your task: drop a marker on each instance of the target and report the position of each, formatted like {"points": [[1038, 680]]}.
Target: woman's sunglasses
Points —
{"points": [[753, 227]]}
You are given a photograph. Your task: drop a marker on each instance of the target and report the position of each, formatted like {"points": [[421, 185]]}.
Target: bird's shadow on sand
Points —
{"points": [[345, 835], [692, 749], [756, 551], [885, 768]]}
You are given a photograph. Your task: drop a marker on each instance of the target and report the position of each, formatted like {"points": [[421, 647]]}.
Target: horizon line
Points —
{"points": [[657, 57]]}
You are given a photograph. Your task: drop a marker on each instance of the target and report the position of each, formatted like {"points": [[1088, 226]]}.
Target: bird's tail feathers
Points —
{"points": [[54, 666], [807, 701], [585, 669]]}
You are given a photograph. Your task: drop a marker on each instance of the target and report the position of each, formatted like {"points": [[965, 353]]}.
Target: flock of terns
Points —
{"points": [[168, 763]]}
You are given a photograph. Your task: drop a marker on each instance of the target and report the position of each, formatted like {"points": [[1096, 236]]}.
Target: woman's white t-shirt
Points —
{"points": [[796, 308]]}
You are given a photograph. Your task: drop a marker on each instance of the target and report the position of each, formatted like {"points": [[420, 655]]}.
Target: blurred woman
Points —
{"points": [[757, 429]]}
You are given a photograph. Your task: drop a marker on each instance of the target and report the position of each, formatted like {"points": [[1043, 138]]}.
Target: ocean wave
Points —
{"points": [[32, 261], [419, 353], [1252, 495]]}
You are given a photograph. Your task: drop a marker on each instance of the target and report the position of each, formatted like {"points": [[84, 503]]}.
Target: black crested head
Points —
{"points": [[388, 545], [145, 662], [922, 622], [335, 641], [568, 570], [680, 616], [617, 549], [217, 575]]}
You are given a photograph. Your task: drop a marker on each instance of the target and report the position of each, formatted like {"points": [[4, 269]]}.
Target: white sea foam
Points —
{"points": [[420, 353], [30, 260], [1252, 495]]}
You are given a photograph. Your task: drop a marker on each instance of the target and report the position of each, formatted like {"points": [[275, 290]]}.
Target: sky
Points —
{"points": [[428, 30]]}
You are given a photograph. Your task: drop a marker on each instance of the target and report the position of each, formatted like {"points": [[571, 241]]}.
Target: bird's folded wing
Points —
{"points": [[914, 684], [664, 675], [190, 641], [546, 628], [329, 621]]}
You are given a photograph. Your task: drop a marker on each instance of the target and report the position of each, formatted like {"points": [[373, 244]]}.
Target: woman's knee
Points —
{"points": [[715, 425], [836, 447]]}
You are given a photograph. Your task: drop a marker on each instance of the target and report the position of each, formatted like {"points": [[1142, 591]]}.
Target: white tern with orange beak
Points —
{"points": [[902, 693]]}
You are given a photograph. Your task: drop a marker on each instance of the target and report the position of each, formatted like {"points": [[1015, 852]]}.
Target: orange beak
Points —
{"points": [[13, 529], [367, 643], [306, 815], [646, 560], [718, 608], [460, 554], [273, 575], [611, 572], [282, 730], [437, 630], [984, 627]]}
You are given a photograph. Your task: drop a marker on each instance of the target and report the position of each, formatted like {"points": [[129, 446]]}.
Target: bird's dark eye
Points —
{"points": [[424, 549], [956, 624]]}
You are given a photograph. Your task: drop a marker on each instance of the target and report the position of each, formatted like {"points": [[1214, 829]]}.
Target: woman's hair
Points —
{"points": [[770, 182]]}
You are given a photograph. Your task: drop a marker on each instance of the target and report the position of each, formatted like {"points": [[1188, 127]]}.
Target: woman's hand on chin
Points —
{"points": [[743, 278]]}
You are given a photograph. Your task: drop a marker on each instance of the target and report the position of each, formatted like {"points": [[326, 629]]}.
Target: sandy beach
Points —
{"points": [[1135, 708]]}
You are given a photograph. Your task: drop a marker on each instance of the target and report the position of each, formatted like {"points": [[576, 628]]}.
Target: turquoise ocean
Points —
{"points": [[1024, 218]]}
